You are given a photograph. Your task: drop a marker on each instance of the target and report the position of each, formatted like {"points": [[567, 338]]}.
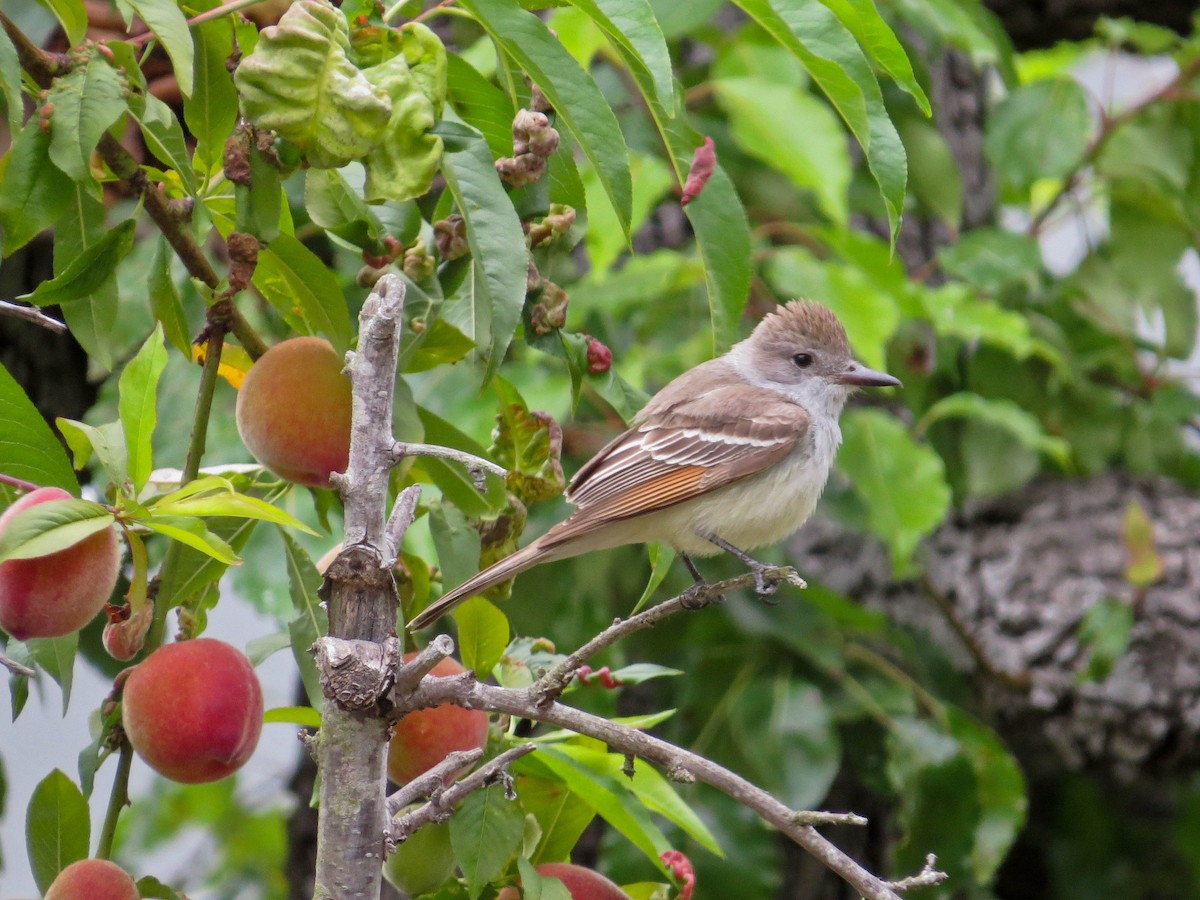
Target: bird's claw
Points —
{"points": [[766, 583]]}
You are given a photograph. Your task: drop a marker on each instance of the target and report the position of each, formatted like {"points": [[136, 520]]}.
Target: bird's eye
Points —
{"points": [[803, 360]]}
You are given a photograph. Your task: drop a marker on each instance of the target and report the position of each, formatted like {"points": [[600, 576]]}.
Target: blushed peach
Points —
{"points": [[193, 710], [53, 595], [93, 879], [422, 738], [293, 411]]}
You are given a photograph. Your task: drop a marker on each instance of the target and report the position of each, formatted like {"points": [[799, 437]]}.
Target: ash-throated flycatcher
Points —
{"points": [[731, 455]]}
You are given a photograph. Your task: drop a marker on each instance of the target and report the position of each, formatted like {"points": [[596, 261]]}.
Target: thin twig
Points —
{"points": [[15, 667], [31, 314], [441, 804], [927, 877], [679, 764], [19, 483], [550, 685], [476, 465]]}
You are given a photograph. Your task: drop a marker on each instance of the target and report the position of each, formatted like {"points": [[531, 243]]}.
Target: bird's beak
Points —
{"points": [[858, 375]]}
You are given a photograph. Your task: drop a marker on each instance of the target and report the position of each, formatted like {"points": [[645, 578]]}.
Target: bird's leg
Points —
{"points": [[763, 586], [697, 584]]}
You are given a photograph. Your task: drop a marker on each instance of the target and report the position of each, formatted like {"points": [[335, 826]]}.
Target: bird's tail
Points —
{"points": [[490, 577]]}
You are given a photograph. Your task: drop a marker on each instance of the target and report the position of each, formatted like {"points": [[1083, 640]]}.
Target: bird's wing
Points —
{"points": [[696, 446]]}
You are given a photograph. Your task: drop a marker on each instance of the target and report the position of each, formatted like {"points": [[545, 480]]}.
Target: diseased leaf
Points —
{"points": [[299, 82], [571, 91], [57, 827]]}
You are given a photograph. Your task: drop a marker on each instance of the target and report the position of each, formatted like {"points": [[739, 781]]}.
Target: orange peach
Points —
{"points": [[193, 710], [93, 879], [53, 595], [422, 738], [293, 411]]}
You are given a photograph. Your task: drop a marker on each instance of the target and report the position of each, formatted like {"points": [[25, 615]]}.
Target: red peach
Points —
{"points": [[584, 884], [193, 710], [93, 879], [422, 738], [293, 411], [53, 595]]}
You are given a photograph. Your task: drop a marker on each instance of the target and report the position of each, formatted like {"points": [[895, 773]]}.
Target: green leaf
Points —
{"points": [[304, 291], [194, 570], [485, 832], [52, 526], [990, 258], [57, 657], [334, 206], [211, 110], [602, 793], [561, 816], [107, 441], [88, 271], [137, 406], [165, 301], [439, 344], [166, 20], [299, 82], [92, 317], [902, 482], [836, 63], [575, 97], [29, 450], [304, 716], [877, 38], [1001, 790], [631, 27], [1004, 414], [498, 253], [57, 827], [311, 620], [456, 542], [1145, 564], [650, 788], [87, 101], [482, 635], [793, 132], [192, 533], [164, 136], [72, 15], [934, 178], [1104, 634], [481, 105], [10, 82], [231, 504], [34, 193], [1040, 130]]}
